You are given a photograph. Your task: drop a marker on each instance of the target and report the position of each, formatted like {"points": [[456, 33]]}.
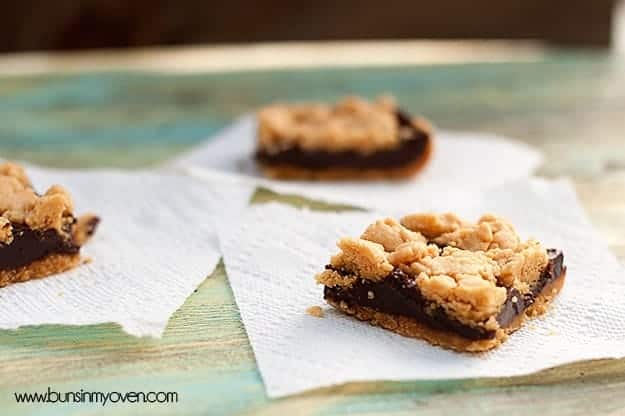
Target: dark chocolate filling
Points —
{"points": [[399, 294], [407, 152], [29, 245], [511, 310]]}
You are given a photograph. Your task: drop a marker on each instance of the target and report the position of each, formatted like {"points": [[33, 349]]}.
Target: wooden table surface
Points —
{"points": [[570, 105]]}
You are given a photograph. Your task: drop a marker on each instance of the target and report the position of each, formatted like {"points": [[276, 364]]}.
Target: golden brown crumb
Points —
{"points": [[488, 233], [390, 234], [504, 234], [16, 200], [351, 124], [315, 311], [463, 282], [49, 212], [84, 228], [62, 193], [13, 170], [521, 266], [412, 251], [448, 229], [432, 225], [366, 258], [474, 238], [333, 278]]}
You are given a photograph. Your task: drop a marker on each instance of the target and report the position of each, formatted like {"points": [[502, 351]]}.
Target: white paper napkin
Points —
{"points": [[273, 252], [461, 161], [155, 244]]}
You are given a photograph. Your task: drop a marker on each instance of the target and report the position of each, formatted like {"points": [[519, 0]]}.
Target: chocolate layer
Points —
{"points": [[517, 303], [407, 152], [399, 294], [29, 245]]}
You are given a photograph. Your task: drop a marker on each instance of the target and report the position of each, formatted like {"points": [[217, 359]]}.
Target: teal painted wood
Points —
{"points": [[135, 119]]}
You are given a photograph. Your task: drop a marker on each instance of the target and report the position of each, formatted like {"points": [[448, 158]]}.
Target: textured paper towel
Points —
{"points": [[155, 244], [463, 161], [273, 252]]}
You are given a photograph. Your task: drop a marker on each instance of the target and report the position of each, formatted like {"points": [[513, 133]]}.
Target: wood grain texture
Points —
{"points": [[569, 106]]}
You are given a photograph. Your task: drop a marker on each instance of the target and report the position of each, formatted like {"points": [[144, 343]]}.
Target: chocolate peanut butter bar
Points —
{"points": [[39, 235], [354, 139], [461, 285]]}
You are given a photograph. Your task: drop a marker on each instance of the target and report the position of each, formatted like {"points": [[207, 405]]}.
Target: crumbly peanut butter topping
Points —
{"points": [[463, 267], [364, 258], [20, 204], [84, 228], [448, 230], [315, 311], [432, 225], [411, 252], [463, 283], [521, 266], [352, 124], [390, 234], [15, 171]]}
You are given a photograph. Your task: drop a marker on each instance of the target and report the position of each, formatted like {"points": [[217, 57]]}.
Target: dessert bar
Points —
{"points": [[354, 139], [461, 285], [39, 234]]}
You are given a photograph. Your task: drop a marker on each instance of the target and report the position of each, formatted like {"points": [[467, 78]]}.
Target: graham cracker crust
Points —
{"points": [[289, 172], [49, 265], [411, 328]]}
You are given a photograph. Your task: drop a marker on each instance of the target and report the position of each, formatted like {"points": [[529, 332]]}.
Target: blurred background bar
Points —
{"points": [[29, 25]]}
